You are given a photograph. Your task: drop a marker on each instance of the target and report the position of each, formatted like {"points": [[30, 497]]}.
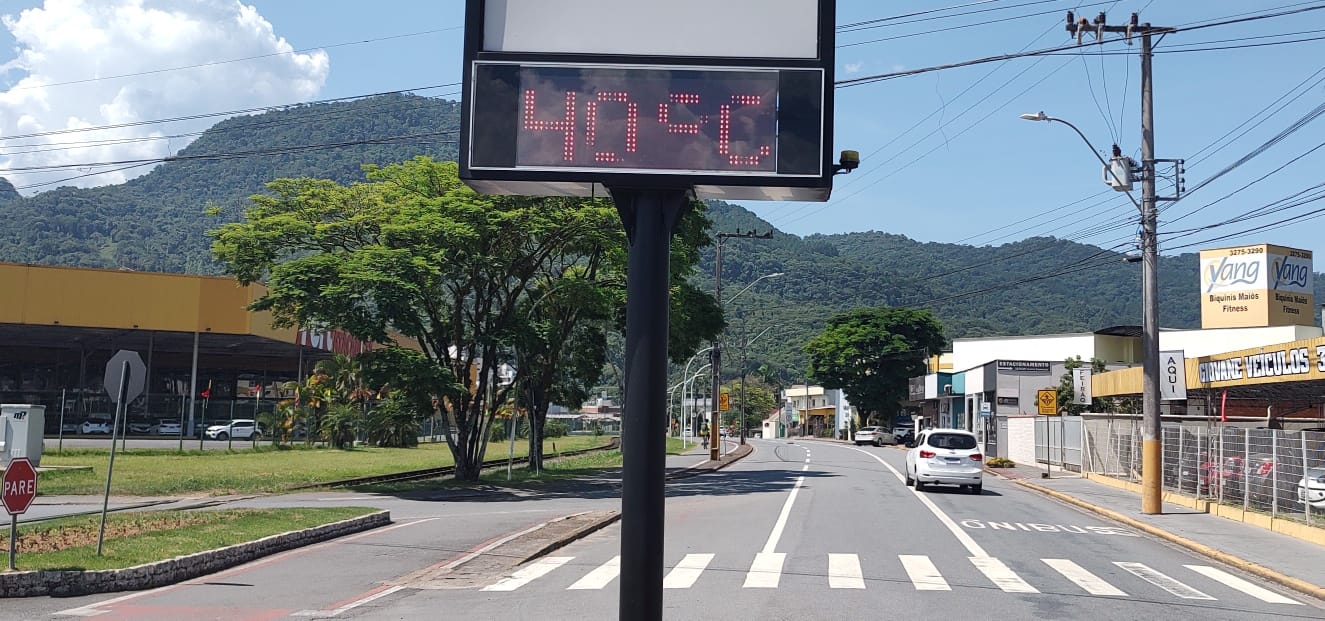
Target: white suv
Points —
{"points": [[239, 429], [946, 457]]}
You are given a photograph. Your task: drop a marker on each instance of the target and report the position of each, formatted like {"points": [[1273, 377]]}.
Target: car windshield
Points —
{"points": [[952, 441]]}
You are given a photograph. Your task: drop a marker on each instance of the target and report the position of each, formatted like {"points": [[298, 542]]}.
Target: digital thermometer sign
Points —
{"points": [[683, 120]]}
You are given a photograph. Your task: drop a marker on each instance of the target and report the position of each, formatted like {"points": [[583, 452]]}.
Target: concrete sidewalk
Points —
{"points": [[1291, 562]]}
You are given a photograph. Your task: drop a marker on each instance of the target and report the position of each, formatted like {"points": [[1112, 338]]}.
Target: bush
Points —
{"points": [[999, 462], [393, 423], [555, 429]]}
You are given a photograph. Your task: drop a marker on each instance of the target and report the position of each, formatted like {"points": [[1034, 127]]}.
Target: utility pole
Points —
{"points": [[715, 356], [1151, 444]]}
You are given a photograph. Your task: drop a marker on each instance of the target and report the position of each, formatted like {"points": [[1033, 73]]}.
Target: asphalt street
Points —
{"points": [[798, 530]]}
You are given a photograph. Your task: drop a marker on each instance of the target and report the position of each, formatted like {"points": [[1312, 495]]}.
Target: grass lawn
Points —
{"points": [[145, 537], [168, 473], [553, 470]]}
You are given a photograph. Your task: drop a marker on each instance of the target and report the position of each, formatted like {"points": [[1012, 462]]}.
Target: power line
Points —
{"points": [[208, 115], [233, 155], [855, 25], [237, 60], [959, 27]]}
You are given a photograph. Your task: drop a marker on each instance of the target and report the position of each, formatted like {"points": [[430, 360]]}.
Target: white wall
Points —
{"points": [[1021, 439], [969, 353], [1197, 343]]}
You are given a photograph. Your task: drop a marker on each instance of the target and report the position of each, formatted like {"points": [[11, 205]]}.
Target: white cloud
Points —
{"points": [[854, 67], [74, 40]]}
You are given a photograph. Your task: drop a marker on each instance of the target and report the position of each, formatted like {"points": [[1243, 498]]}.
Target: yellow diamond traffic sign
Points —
{"points": [[1048, 402]]}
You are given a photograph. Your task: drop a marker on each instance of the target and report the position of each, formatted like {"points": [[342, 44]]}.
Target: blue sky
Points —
{"points": [[941, 162]]}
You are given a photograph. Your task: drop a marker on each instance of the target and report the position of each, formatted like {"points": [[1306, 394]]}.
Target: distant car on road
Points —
{"points": [[872, 435], [140, 427], [945, 457], [90, 427], [167, 428], [239, 429]]}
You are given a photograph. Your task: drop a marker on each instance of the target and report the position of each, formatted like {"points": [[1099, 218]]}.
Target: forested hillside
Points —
{"points": [[158, 222]]}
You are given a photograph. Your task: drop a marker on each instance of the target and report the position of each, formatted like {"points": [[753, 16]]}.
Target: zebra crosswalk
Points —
{"points": [[1121, 579]]}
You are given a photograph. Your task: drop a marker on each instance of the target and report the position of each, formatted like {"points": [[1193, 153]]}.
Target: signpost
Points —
{"points": [[20, 487], [126, 377], [643, 102], [1081, 386], [1172, 375], [1047, 400]]}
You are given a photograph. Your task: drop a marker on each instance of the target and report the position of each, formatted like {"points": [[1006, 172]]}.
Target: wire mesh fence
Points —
{"points": [[1278, 472]]}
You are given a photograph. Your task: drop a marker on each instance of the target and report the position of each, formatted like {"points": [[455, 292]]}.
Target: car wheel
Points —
{"points": [[909, 481], [920, 487], [223, 436], [977, 489]]}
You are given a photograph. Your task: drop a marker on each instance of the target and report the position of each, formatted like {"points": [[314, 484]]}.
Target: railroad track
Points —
{"points": [[429, 473]]}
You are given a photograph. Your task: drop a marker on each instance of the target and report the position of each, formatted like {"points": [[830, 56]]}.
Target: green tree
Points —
{"points": [[760, 400], [871, 353], [414, 251]]}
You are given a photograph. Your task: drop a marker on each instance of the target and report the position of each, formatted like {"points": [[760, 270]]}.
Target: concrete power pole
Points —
{"points": [[715, 416], [1151, 443]]}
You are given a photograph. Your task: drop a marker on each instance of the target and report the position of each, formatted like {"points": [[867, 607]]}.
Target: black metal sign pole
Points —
{"points": [[649, 217]]}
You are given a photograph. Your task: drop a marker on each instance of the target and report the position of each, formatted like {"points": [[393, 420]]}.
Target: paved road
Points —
{"points": [[825, 531], [802, 530]]}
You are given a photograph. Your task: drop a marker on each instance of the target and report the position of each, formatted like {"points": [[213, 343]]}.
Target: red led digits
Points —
{"points": [[664, 112], [724, 132], [632, 124], [566, 125]]}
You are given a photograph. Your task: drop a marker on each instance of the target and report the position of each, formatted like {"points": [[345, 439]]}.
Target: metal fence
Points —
{"points": [[1058, 441], [1274, 471]]}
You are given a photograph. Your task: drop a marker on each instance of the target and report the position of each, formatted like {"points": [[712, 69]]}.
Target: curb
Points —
{"points": [[66, 583], [740, 452], [1296, 584], [606, 520]]}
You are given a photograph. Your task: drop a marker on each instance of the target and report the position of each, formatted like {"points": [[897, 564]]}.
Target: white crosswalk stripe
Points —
{"points": [[1001, 576], [1231, 580], [1168, 583], [599, 577], [529, 574], [766, 571], [687, 571], [924, 575], [844, 572], [1078, 575]]}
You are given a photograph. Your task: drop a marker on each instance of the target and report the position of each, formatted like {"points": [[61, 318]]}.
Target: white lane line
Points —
{"points": [[924, 575], [335, 612], [765, 571], [1001, 576], [1081, 577], [600, 577], [1231, 580], [91, 610], [971, 546], [1163, 581], [844, 572], [781, 522], [529, 574], [684, 575]]}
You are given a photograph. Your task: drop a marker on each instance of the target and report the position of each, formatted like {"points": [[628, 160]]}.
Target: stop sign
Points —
{"points": [[19, 485]]}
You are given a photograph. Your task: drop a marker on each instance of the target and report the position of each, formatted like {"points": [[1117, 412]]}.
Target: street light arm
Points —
{"points": [[1093, 151], [747, 287]]}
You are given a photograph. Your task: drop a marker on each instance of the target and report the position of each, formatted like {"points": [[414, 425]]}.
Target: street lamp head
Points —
{"points": [[1040, 116], [776, 274]]}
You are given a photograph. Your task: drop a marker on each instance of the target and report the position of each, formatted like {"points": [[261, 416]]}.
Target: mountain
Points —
{"points": [[157, 222]]}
